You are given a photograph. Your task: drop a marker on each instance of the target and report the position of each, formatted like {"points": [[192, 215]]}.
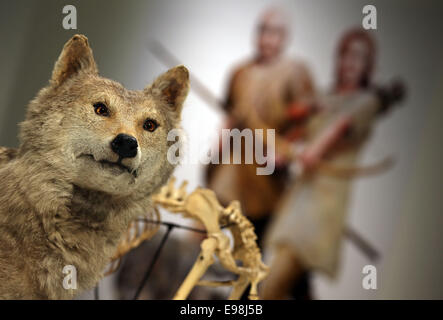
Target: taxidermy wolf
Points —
{"points": [[91, 153]]}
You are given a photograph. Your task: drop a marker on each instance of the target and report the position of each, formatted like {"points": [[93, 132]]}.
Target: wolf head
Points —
{"points": [[99, 135]]}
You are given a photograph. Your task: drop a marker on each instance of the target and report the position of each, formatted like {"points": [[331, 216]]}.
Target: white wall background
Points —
{"points": [[399, 212]]}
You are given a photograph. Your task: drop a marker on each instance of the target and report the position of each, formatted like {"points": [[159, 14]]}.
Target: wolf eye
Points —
{"points": [[150, 125], [101, 109]]}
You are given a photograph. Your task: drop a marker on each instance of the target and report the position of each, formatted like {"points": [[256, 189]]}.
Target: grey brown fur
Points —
{"points": [[59, 205]]}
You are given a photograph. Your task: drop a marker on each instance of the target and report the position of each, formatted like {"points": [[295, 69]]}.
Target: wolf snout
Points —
{"points": [[125, 146]]}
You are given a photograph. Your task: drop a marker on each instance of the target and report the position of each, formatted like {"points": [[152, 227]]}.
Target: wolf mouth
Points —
{"points": [[109, 165]]}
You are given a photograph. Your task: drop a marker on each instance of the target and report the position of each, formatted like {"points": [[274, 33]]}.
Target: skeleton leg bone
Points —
{"points": [[204, 261], [239, 287]]}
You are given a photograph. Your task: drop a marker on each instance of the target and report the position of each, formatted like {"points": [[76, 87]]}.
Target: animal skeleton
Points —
{"points": [[202, 205]]}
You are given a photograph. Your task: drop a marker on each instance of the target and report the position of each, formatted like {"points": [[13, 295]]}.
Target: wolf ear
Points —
{"points": [[76, 57], [171, 87]]}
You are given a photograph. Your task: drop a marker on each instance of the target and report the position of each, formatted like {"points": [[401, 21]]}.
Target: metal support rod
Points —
{"points": [[154, 260]]}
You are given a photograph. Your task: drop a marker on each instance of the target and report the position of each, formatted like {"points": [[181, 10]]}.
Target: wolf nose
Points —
{"points": [[125, 146]]}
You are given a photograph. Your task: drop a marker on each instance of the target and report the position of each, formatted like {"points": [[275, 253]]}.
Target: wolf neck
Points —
{"points": [[102, 215], [75, 220], [95, 206]]}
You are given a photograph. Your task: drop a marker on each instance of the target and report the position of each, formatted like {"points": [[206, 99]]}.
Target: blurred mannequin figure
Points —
{"points": [[306, 234], [259, 94]]}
